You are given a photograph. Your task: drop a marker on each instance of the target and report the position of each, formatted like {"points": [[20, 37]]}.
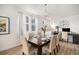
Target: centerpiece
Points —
{"points": [[44, 29]]}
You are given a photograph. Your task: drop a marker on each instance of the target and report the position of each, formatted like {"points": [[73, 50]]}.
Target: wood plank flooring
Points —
{"points": [[65, 49], [13, 51], [68, 49]]}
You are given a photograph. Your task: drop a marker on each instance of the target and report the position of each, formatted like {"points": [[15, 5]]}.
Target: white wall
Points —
{"points": [[16, 18], [73, 21], [10, 40]]}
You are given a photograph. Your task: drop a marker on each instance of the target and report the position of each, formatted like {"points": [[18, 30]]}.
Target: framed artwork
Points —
{"points": [[4, 25], [64, 24]]}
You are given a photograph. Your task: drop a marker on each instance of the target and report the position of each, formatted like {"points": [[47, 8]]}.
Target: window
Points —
{"points": [[33, 24], [33, 27], [30, 23], [27, 23], [33, 21], [27, 27]]}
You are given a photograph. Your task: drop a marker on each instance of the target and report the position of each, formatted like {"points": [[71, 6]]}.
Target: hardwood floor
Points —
{"points": [[12, 51], [68, 49], [65, 49]]}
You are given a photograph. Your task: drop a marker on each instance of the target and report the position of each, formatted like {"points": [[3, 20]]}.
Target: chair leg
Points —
{"points": [[23, 53], [50, 53], [54, 52], [57, 48]]}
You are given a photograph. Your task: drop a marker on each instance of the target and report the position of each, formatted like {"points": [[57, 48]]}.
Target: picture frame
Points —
{"points": [[4, 25]]}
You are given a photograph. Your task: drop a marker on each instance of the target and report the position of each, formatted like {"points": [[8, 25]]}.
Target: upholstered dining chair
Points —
{"points": [[52, 46], [32, 49], [57, 41], [29, 37], [25, 49]]}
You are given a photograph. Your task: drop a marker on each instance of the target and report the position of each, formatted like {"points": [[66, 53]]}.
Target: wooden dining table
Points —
{"points": [[39, 45]]}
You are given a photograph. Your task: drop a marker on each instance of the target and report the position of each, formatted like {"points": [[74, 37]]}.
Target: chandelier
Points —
{"points": [[45, 11]]}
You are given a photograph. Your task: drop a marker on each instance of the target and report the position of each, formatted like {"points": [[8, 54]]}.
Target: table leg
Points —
{"points": [[39, 52]]}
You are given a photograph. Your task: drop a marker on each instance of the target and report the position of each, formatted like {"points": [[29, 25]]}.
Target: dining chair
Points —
{"points": [[58, 42], [32, 49], [52, 46], [29, 37], [25, 50]]}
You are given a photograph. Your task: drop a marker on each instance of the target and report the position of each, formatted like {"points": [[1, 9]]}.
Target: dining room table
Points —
{"points": [[39, 43]]}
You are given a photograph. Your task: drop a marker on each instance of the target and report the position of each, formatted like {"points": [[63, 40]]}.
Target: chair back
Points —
{"points": [[52, 44], [30, 35], [58, 38]]}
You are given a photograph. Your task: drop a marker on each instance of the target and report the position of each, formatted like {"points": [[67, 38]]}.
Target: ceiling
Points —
{"points": [[55, 10]]}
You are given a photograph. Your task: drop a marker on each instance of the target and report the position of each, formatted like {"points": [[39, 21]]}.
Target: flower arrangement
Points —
{"points": [[44, 29]]}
